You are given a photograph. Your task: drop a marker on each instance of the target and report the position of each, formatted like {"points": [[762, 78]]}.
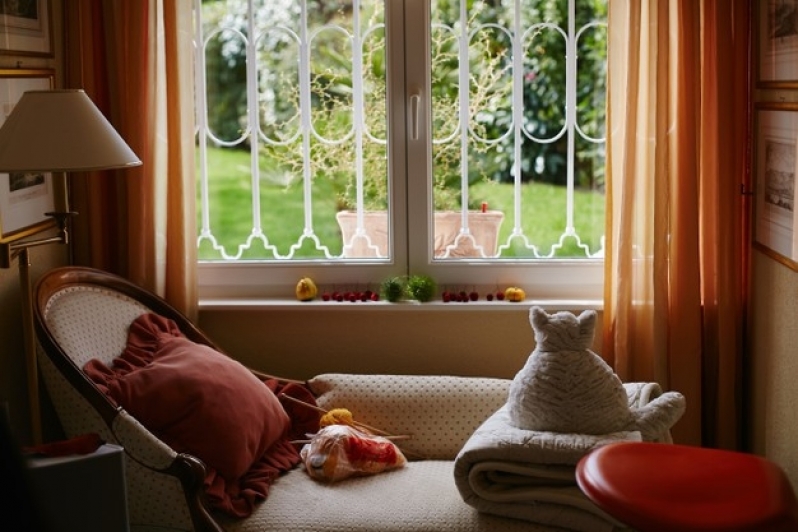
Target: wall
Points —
{"points": [[303, 340], [13, 376], [774, 363]]}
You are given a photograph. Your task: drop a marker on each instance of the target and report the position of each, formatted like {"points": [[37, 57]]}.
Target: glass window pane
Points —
{"points": [[523, 168], [292, 128]]}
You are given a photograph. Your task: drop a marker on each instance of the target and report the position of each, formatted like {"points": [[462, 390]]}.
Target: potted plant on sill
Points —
{"points": [[335, 161], [483, 224]]}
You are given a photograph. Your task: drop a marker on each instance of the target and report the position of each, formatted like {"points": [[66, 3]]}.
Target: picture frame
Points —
{"points": [[777, 43], [775, 174], [25, 198], [26, 28]]}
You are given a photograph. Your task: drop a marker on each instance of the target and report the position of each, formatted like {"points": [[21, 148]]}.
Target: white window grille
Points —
{"points": [[306, 107]]}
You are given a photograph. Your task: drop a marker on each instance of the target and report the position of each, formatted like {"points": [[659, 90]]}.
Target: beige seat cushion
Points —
{"points": [[439, 412], [419, 497]]}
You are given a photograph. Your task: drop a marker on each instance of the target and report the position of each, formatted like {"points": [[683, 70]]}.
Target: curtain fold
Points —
{"points": [[677, 252], [134, 59]]}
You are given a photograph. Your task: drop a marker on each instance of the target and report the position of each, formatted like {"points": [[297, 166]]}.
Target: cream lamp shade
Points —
{"points": [[60, 131]]}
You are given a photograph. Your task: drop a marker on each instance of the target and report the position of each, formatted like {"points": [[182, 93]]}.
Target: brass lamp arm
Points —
{"points": [[10, 251], [16, 247]]}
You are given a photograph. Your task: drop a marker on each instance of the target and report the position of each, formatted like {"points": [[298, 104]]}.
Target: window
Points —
{"points": [[355, 140]]}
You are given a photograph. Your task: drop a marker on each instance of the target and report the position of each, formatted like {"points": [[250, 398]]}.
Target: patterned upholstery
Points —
{"points": [[74, 314], [439, 412], [91, 322], [420, 497]]}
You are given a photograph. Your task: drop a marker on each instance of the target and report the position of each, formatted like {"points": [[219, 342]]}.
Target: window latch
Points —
{"points": [[415, 103]]}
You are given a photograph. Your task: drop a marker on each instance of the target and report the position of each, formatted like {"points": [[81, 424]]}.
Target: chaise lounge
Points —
{"points": [[83, 318]]}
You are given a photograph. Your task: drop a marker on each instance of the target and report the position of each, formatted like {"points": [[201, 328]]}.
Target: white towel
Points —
{"points": [[530, 475]]}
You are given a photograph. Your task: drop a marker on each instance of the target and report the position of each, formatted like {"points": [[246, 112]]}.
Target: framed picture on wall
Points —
{"points": [[777, 43], [25, 198], [775, 173], [26, 28]]}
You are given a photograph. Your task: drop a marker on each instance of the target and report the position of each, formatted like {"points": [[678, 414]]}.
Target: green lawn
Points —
{"points": [[543, 216]]}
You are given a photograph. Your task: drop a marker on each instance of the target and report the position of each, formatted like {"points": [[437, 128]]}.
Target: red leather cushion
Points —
{"points": [[657, 487]]}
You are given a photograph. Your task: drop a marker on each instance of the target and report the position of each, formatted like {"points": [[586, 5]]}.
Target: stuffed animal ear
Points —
{"points": [[538, 317], [587, 322]]}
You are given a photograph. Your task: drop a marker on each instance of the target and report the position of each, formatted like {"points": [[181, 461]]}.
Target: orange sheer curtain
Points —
{"points": [[134, 59], [676, 264]]}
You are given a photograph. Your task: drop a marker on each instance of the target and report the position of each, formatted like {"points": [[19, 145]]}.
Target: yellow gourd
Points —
{"points": [[514, 294], [306, 289]]}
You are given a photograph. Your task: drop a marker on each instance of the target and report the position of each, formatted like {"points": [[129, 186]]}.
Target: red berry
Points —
{"points": [[500, 296], [375, 296], [474, 296], [325, 296], [489, 296]]}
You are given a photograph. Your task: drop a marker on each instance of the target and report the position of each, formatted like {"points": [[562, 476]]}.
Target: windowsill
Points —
{"points": [[551, 283], [402, 306]]}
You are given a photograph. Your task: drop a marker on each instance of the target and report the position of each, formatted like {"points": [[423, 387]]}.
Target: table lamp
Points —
{"points": [[52, 131]]}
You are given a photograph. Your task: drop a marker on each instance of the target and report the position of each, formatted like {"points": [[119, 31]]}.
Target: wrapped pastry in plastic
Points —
{"points": [[337, 452]]}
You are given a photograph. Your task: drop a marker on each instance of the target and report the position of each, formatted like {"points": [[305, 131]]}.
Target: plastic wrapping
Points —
{"points": [[337, 452]]}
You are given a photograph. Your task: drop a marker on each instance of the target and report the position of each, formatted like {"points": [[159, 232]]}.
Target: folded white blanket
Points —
{"points": [[530, 475]]}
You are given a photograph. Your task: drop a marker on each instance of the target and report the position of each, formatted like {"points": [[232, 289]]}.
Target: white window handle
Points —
{"points": [[415, 104]]}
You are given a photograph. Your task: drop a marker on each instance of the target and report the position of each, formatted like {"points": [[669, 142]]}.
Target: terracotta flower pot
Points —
{"points": [[373, 242]]}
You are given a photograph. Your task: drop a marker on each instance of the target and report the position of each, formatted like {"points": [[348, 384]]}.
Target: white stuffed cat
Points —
{"points": [[565, 387]]}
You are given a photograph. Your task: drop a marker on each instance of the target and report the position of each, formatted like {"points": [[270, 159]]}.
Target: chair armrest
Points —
{"points": [[439, 412], [148, 451], [140, 444]]}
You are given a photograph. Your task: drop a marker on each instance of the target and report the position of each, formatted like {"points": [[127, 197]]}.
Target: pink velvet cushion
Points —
{"points": [[204, 403]]}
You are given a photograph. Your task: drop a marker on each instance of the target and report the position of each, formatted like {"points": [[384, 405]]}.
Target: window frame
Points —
{"points": [[545, 280]]}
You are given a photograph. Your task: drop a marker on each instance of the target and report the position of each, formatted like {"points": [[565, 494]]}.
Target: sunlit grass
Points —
{"points": [[543, 218], [230, 216]]}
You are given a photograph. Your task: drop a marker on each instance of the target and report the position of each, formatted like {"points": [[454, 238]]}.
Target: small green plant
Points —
{"points": [[392, 289], [331, 88], [421, 288]]}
